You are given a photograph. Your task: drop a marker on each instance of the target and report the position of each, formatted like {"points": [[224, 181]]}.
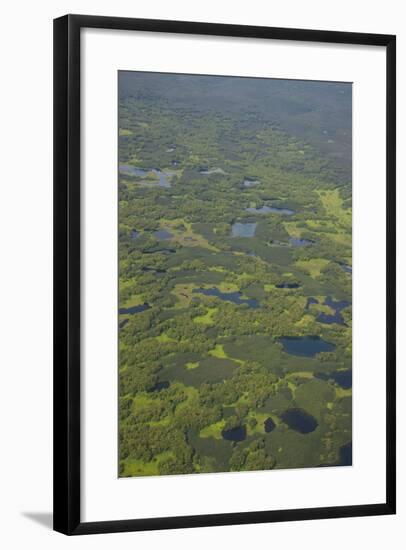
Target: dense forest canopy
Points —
{"points": [[235, 257], [317, 112]]}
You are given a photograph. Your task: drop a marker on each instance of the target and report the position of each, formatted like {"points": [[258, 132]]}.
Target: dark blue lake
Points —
{"points": [[305, 346], [240, 229], [343, 378], [135, 234], [234, 297], [235, 434], [269, 425], [299, 420], [133, 309]]}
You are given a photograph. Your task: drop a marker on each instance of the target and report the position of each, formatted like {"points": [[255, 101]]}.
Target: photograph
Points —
{"points": [[234, 274]]}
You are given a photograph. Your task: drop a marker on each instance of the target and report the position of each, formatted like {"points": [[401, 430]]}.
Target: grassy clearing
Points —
{"points": [[214, 430], [191, 394], [305, 322], [227, 286], [340, 238], [304, 374], [184, 235], [218, 352], [259, 427], [164, 338], [333, 205], [124, 132], [207, 318], [133, 467], [135, 300], [141, 401], [323, 225], [191, 365], [184, 294], [268, 287], [313, 267], [341, 392], [293, 229]]}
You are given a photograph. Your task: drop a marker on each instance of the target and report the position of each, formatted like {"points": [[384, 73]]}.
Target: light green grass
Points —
{"points": [[313, 267], [134, 467], [191, 365], [214, 430], [125, 132], [218, 351], [207, 318]]}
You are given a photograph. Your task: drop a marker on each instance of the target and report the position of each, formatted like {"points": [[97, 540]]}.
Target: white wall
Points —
{"points": [[25, 292]]}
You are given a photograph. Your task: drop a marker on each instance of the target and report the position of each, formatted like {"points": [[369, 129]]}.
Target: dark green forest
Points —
{"points": [[235, 268]]}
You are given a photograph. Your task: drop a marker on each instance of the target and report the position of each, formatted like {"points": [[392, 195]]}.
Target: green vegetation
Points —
{"points": [[199, 350]]}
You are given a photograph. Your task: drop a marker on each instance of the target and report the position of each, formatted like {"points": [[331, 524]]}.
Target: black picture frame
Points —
{"points": [[67, 293]]}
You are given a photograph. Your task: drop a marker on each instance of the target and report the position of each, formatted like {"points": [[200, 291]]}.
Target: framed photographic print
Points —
{"points": [[224, 304]]}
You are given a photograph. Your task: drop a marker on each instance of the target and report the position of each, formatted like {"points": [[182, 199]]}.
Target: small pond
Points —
{"points": [[347, 268], [247, 229], [135, 234], [133, 309], [270, 209], [269, 425], [250, 182], [147, 269], [234, 297], [262, 210], [274, 242], [300, 242], [287, 285], [162, 177], [305, 346], [341, 377], [160, 251], [283, 211], [159, 386], [209, 171], [235, 434], [311, 301], [163, 235], [299, 420]]}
